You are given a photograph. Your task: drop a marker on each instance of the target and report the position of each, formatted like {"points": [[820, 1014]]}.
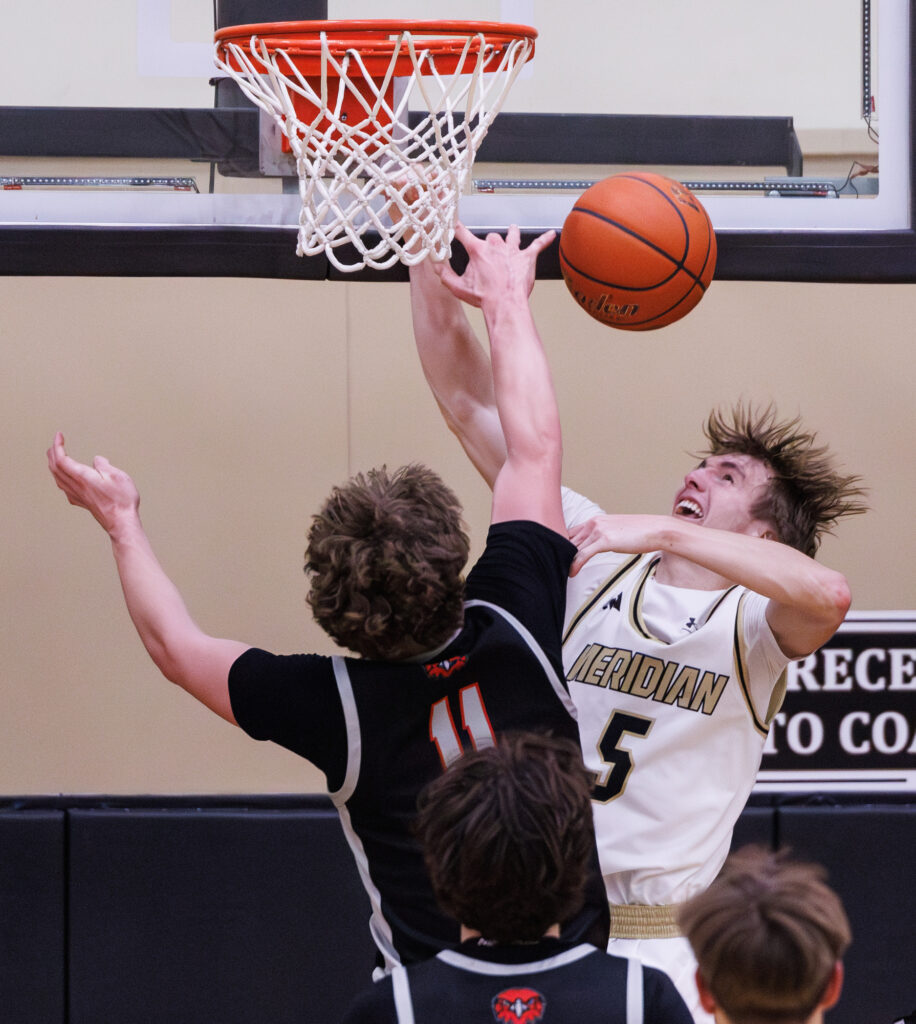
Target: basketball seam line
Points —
{"points": [[678, 264], [651, 184], [696, 283], [635, 288]]}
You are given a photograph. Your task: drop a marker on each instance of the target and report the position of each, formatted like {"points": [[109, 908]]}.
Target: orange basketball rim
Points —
{"points": [[376, 176]]}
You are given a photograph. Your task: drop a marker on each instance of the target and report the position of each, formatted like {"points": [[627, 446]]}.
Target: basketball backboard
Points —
{"points": [[119, 155]]}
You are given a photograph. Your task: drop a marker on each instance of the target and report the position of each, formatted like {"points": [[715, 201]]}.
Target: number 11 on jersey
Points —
{"points": [[474, 720]]}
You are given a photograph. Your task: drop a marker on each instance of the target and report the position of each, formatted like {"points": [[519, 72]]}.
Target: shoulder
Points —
{"points": [[257, 668], [577, 508], [756, 629], [520, 546], [526, 533], [265, 688]]}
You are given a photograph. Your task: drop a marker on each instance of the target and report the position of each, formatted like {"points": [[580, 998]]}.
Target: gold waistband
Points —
{"points": [[637, 921]]}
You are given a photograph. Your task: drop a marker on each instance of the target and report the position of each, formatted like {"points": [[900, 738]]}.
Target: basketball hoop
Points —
{"points": [[371, 176]]}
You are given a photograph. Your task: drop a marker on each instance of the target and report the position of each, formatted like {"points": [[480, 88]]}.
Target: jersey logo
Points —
{"points": [[445, 668], [613, 604], [518, 1006], [690, 626]]}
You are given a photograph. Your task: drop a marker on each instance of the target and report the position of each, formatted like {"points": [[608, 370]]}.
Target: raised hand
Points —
{"points": [[102, 489], [495, 265]]}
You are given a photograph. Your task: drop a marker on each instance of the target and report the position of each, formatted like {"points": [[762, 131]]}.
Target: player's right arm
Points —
{"points": [[457, 369], [180, 649], [498, 280]]}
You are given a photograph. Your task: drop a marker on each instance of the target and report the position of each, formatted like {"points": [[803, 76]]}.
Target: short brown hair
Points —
{"points": [[507, 835], [807, 495], [766, 934], [386, 556]]}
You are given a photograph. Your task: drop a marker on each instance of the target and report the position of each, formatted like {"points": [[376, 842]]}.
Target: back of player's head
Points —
{"points": [[767, 935], [507, 836], [385, 557], [807, 495]]}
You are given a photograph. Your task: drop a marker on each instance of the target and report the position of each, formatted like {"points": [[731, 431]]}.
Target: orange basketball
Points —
{"points": [[637, 251]]}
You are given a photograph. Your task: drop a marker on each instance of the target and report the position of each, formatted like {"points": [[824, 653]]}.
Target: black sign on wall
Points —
{"points": [[848, 721]]}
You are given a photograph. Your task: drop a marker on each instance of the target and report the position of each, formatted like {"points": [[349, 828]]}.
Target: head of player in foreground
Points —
{"points": [[507, 836], [768, 935]]}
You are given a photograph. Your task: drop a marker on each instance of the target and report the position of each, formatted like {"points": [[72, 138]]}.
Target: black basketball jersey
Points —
{"points": [[549, 982], [381, 730]]}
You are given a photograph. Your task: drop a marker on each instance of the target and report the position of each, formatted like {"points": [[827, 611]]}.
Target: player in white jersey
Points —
{"points": [[675, 664], [675, 689]]}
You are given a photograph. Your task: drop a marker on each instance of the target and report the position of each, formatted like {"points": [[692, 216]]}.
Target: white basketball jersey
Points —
{"points": [[675, 693]]}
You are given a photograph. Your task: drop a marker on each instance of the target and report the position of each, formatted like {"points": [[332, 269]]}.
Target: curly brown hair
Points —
{"points": [[806, 496], [507, 835], [766, 935], [386, 556]]}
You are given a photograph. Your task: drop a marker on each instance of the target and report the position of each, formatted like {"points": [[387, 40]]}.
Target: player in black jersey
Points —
{"points": [[444, 666], [507, 835]]}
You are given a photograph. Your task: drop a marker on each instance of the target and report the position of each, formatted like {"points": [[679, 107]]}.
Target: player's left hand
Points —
{"points": [[496, 265]]}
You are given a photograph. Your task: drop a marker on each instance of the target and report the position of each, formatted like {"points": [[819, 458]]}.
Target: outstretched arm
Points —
{"points": [[181, 650], [498, 279], [457, 369], [807, 600]]}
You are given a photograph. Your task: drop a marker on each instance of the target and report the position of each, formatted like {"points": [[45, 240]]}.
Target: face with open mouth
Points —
{"points": [[721, 492]]}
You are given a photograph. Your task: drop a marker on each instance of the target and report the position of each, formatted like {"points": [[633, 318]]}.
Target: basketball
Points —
{"points": [[637, 251]]}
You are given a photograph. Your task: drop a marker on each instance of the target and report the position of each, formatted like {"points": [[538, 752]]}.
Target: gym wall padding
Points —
{"points": [[244, 910], [868, 852], [32, 916], [215, 915]]}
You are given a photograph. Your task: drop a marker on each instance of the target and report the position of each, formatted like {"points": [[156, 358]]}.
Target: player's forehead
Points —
{"points": [[749, 466]]}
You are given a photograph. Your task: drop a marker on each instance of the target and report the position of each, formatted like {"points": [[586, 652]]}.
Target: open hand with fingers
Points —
{"points": [[102, 489], [626, 534], [496, 266]]}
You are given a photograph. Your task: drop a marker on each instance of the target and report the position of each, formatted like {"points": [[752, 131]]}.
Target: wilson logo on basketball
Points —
{"points": [[518, 1006], [445, 668], [602, 306]]}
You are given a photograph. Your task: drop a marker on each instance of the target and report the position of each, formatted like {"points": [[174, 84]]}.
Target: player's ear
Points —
{"points": [[706, 999], [834, 987], [764, 529]]}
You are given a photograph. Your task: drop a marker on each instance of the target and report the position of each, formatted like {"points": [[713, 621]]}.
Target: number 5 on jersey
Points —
{"points": [[474, 720], [619, 759]]}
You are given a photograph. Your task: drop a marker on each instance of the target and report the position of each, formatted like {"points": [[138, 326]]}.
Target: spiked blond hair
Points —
{"points": [[807, 495]]}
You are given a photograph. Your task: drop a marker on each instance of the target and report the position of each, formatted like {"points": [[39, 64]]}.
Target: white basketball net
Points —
{"points": [[380, 176]]}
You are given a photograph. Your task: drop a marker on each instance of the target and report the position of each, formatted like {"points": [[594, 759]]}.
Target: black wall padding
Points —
{"points": [[248, 910], [756, 825], [32, 902], [869, 854], [194, 917]]}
